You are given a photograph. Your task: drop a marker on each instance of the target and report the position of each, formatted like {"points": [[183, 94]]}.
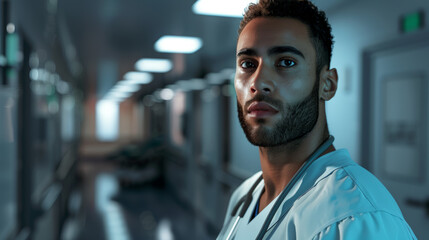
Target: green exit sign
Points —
{"points": [[412, 22]]}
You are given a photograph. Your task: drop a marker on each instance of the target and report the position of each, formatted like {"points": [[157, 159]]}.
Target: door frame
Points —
{"points": [[402, 43]]}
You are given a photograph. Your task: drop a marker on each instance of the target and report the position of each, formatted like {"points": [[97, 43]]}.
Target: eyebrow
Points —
{"points": [[271, 51]]}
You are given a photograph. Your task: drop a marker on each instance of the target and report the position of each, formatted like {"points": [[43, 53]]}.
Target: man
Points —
{"points": [[283, 78]]}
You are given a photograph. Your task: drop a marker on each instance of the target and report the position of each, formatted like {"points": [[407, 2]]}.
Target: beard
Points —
{"points": [[297, 120]]}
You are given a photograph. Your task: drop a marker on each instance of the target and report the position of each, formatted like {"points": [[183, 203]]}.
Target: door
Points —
{"points": [[398, 135]]}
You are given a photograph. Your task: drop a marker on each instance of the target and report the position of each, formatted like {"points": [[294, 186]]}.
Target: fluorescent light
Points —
{"points": [[178, 44], [137, 81], [224, 8], [125, 88], [167, 94], [113, 94], [138, 78], [154, 65]]}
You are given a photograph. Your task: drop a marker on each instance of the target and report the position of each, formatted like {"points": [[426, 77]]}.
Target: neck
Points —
{"points": [[279, 164]]}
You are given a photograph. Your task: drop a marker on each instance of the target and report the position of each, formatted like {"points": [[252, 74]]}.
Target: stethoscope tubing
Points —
{"points": [[245, 201], [231, 233]]}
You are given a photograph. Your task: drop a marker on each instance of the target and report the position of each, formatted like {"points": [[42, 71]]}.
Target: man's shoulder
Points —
{"points": [[372, 189], [350, 183], [345, 192], [350, 189]]}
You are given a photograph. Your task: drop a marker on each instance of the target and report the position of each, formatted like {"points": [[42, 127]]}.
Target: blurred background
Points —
{"points": [[118, 118]]}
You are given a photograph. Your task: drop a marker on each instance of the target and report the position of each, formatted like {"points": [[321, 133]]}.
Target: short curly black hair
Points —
{"points": [[304, 11]]}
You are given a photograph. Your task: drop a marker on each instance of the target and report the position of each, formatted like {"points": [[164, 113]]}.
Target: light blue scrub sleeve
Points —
{"points": [[374, 225]]}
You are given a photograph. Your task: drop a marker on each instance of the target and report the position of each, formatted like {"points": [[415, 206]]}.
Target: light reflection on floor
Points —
{"points": [[163, 231], [113, 218], [117, 212], [114, 222]]}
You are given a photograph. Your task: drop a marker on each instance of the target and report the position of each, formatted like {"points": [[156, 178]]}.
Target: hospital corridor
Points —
{"points": [[120, 120]]}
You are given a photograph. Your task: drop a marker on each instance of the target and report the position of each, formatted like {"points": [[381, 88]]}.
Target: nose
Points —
{"points": [[261, 82]]}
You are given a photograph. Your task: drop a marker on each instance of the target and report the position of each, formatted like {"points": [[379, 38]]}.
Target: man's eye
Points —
{"points": [[247, 64], [286, 63]]}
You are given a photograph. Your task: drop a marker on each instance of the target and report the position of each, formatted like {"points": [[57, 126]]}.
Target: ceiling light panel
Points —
{"points": [[178, 44], [137, 78], [118, 95], [154, 65], [223, 8]]}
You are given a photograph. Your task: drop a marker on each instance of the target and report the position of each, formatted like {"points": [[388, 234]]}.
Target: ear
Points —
{"points": [[328, 83]]}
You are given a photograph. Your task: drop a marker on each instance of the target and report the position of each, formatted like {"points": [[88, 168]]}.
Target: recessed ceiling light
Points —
{"points": [[127, 88], [113, 94], [167, 94], [178, 44], [235, 8], [154, 65], [137, 78]]}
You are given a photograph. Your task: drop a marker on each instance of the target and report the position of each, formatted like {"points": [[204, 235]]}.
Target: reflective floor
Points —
{"points": [[114, 210]]}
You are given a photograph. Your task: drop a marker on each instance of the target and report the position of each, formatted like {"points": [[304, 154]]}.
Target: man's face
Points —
{"points": [[275, 81]]}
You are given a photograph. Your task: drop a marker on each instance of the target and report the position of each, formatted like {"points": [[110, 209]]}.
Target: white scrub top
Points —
{"points": [[334, 199]]}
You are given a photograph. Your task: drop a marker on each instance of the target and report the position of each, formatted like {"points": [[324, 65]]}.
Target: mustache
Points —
{"points": [[264, 98]]}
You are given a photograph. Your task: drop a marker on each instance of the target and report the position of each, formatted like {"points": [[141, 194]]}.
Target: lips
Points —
{"points": [[261, 109]]}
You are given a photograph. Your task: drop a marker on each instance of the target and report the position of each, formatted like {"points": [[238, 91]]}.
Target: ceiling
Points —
{"points": [[82, 34]]}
